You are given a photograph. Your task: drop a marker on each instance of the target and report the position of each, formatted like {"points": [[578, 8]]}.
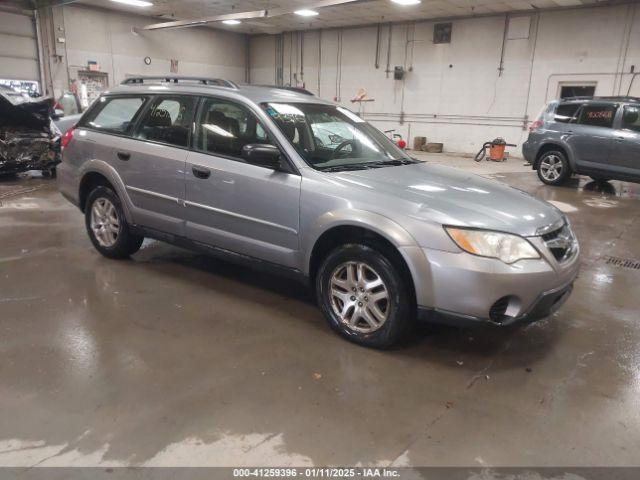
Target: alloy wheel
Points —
{"points": [[359, 297], [551, 167], [105, 223]]}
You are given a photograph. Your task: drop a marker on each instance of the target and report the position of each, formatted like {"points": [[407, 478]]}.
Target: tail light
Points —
{"points": [[66, 138], [536, 125]]}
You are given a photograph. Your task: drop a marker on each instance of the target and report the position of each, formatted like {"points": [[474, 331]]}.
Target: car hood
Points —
{"points": [[453, 197], [30, 114]]}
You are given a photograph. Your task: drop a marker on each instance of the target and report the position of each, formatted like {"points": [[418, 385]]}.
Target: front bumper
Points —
{"points": [[546, 304], [464, 288]]}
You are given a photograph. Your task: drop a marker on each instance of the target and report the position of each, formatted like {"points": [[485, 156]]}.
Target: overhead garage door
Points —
{"points": [[19, 49]]}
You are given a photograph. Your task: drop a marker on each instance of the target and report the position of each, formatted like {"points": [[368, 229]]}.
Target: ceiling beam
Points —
{"points": [[53, 3], [205, 20], [276, 12]]}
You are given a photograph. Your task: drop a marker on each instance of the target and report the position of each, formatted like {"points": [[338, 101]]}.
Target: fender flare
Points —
{"points": [[103, 168], [413, 255], [563, 146]]}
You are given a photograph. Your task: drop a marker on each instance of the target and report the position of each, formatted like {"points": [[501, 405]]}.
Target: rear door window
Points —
{"points": [[114, 114], [168, 120], [631, 118], [598, 115]]}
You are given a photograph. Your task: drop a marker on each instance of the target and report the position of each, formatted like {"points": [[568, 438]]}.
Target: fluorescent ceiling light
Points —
{"points": [[134, 3], [306, 13], [231, 22], [407, 2]]}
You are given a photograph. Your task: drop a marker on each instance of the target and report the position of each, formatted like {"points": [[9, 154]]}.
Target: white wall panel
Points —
{"points": [[18, 47], [107, 38], [455, 93]]}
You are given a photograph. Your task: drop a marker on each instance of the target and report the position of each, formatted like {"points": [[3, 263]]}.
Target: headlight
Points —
{"points": [[506, 247]]}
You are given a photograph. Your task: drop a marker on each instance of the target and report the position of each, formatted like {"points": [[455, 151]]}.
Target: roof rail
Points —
{"points": [[301, 90], [304, 91], [614, 98], [218, 82]]}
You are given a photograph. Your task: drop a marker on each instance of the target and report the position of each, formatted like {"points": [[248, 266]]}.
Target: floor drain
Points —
{"points": [[623, 262]]}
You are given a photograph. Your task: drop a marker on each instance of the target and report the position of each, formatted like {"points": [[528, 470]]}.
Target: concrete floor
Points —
{"points": [[173, 358]]}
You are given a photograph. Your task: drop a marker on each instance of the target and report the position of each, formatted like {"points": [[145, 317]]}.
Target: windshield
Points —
{"points": [[334, 138]]}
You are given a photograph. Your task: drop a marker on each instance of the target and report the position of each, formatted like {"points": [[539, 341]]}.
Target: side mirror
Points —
{"points": [[264, 155], [57, 114]]}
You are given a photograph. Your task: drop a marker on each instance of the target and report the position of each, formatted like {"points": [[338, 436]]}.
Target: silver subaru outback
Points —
{"points": [[283, 180]]}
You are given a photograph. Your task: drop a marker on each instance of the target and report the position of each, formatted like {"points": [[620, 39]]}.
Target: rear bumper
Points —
{"points": [[68, 183], [529, 151]]}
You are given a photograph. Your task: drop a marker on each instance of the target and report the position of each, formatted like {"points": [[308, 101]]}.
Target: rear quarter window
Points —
{"points": [[566, 113], [114, 114]]}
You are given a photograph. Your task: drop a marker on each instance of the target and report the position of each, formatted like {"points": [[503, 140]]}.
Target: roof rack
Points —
{"points": [[217, 82], [615, 98]]}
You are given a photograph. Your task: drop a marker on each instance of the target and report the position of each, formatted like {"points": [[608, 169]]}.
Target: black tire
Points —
{"points": [[49, 172], [561, 159], [126, 243], [399, 307]]}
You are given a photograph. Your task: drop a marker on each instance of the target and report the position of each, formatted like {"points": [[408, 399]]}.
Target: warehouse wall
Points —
{"points": [[19, 52], [454, 93], [106, 37]]}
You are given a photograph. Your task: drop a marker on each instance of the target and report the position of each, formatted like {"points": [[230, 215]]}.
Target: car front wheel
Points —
{"points": [[107, 226], [553, 168], [363, 296]]}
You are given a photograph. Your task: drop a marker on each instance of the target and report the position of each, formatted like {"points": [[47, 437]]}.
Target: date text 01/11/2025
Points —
{"points": [[316, 472]]}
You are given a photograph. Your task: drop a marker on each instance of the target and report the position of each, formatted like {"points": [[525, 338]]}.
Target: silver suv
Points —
{"points": [[286, 181], [595, 136]]}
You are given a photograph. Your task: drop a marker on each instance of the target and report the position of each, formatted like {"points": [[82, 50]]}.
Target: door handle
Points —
{"points": [[124, 156], [201, 172], [619, 139]]}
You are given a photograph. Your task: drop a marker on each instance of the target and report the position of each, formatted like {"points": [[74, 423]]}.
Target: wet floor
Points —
{"points": [[174, 358]]}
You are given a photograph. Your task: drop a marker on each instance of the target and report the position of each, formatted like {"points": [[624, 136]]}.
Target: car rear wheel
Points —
{"points": [[107, 226], [49, 172], [363, 296], [553, 168]]}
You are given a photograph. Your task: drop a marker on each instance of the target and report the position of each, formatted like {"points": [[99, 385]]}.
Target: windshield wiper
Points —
{"points": [[344, 168], [399, 161], [369, 165]]}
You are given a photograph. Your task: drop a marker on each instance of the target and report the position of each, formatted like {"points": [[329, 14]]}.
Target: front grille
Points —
{"points": [[561, 243]]}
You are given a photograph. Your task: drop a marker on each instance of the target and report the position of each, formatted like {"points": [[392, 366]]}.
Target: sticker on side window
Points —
{"points": [[600, 114]]}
